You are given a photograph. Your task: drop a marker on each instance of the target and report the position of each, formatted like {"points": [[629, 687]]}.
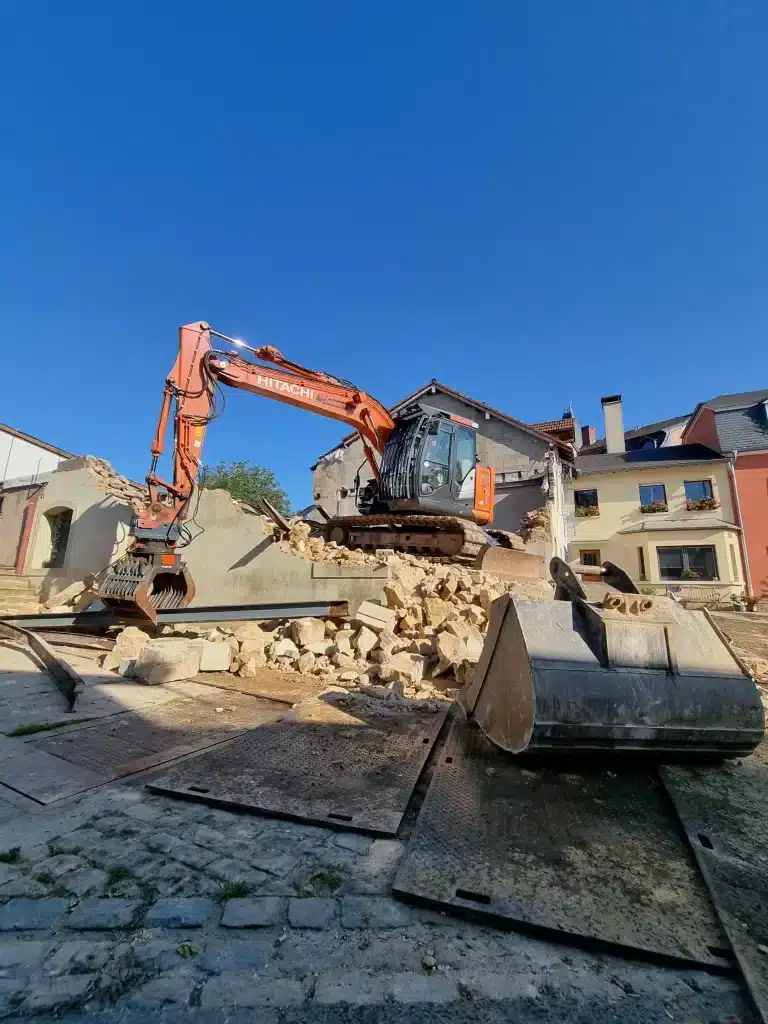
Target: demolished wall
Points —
{"points": [[100, 523], [233, 559], [424, 635]]}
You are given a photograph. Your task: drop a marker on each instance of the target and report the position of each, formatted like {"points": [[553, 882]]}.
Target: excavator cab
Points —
{"points": [[430, 465]]}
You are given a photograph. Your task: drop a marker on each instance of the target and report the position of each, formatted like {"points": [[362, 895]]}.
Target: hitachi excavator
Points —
{"points": [[426, 494]]}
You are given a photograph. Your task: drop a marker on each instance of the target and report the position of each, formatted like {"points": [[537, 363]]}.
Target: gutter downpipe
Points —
{"points": [[739, 523]]}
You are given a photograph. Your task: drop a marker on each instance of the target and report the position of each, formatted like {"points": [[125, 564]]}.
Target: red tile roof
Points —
{"points": [[553, 425]]}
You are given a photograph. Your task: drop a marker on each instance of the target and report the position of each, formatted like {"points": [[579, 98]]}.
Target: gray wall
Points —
{"points": [[515, 455], [232, 562]]}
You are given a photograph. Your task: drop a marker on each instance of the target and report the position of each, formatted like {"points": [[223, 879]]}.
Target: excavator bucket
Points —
{"points": [[508, 563], [622, 673], [143, 585]]}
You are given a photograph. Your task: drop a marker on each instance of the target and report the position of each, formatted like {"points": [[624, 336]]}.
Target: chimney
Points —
{"points": [[614, 424], [587, 436]]}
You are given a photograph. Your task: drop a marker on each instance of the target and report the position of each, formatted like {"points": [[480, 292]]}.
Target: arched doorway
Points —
{"points": [[59, 521]]}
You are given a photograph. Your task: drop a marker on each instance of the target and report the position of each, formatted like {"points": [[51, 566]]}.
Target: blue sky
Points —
{"points": [[535, 202]]}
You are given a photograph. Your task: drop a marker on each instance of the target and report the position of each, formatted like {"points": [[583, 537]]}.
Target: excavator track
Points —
{"points": [[447, 536]]}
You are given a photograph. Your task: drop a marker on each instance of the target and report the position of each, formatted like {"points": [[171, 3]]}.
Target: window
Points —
{"points": [[590, 557], [465, 453], [695, 490], [586, 503], [687, 563], [641, 563], [435, 471], [699, 496], [653, 498]]}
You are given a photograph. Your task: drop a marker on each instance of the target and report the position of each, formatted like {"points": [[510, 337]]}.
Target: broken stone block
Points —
{"points": [[464, 673], [486, 597], [254, 662], [435, 610], [424, 645], [284, 648], [451, 651], [348, 676], [375, 617], [127, 667], [408, 575], [307, 631], [364, 640], [406, 668], [130, 642], [214, 657], [476, 616], [253, 645], [167, 661], [330, 627], [396, 595], [306, 662], [323, 647], [342, 646], [344, 661], [247, 630], [464, 630], [474, 648]]}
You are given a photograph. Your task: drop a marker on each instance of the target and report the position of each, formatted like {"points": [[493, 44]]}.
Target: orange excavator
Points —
{"points": [[427, 493]]}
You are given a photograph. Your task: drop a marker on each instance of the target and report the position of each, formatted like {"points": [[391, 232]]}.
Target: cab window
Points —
{"points": [[466, 453], [435, 469]]}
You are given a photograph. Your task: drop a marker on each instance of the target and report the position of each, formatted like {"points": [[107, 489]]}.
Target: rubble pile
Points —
{"points": [[117, 486], [425, 635], [536, 525]]}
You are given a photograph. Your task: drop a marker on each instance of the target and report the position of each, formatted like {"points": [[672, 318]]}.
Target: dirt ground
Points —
{"points": [[748, 632]]}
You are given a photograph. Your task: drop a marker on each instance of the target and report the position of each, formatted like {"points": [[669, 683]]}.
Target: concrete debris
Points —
{"points": [[128, 646], [423, 639], [166, 661], [117, 486], [536, 525], [375, 616]]}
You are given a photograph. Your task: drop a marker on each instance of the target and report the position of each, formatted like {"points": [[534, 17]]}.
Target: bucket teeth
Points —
{"points": [[141, 587]]}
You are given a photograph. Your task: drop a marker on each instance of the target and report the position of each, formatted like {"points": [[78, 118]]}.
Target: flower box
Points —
{"points": [[702, 505], [655, 506], [587, 511]]}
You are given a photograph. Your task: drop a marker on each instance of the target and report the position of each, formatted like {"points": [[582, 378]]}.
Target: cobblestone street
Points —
{"points": [[123, 902]]}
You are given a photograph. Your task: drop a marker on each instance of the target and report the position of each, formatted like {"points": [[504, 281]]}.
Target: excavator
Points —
{"points": [[427, 493]]}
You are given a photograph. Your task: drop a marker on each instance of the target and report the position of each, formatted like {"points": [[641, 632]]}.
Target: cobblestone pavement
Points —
{"points": [[122, 903]]}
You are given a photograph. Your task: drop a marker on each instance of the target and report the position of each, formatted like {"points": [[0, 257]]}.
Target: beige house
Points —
{"points": [[664, 515]]}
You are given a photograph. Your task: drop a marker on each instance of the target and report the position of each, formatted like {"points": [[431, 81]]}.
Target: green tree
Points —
{"points": [[246, 483]]}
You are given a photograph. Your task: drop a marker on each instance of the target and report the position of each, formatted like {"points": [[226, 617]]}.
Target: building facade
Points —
{"points": [[666, 515], [736, 426]]}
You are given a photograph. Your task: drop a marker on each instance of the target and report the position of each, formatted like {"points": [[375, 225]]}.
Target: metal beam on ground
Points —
{"points": [[103, 618]]}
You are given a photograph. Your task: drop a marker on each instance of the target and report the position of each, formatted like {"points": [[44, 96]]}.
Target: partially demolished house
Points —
{"points": [[62, 516], [531, 462]]}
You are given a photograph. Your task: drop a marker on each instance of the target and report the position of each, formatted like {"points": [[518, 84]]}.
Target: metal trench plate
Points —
{"points": [[323, 765], [724, 811], [113, 747], [593, 854]]}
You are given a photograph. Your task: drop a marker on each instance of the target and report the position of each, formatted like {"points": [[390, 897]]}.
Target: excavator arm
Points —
{"points": [[192, 384]]}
